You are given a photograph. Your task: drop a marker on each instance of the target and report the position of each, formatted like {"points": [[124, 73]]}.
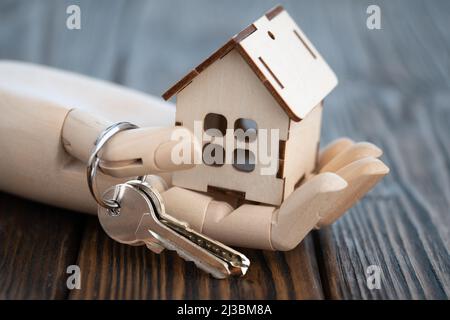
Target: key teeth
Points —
{"points": [[217, 275], [186, 257]]}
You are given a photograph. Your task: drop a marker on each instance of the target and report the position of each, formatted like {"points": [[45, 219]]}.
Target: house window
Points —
{"points": [[215, 124], [243, 160], [213, 155], [245, 130]]}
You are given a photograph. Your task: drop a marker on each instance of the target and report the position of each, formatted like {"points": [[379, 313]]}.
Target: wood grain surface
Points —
{"points": [[393, 91], [117, 271]]}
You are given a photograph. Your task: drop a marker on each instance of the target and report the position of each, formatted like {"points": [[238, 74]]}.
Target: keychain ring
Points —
{"points": [[94, 161]]}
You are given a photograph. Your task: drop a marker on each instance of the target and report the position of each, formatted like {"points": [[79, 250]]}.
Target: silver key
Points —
{"points": [[141, 219], [209, 255]]}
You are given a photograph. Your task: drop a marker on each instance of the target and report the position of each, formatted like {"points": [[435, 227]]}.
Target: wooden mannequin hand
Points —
{"points": [[346, 171], [51, 117]]}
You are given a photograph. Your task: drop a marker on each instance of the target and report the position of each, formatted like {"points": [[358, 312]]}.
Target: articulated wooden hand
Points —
{"points": [[51, 119], [347, 171]]}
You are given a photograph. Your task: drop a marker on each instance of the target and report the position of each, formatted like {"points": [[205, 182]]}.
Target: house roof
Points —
{"points": [[283, 59]]}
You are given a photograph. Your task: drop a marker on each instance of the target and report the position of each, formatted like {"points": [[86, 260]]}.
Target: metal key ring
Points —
{"points": [[94, 161]]}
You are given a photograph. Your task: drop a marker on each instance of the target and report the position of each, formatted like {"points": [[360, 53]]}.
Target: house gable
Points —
{"points": [[230, 88]]}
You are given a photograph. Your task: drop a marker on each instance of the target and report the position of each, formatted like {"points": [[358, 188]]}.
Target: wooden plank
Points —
{"points": [[114, 271], [402, 226], [37, 244]]}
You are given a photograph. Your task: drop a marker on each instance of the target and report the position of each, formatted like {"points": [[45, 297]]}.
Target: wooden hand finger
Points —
{"points": [[361, 176], [302, 210], [355, 152], [332, 150]]}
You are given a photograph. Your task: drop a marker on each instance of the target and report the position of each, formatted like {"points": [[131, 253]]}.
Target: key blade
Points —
{"points": [[208, 254], [237, 263], [219, 269], [152, 227]]}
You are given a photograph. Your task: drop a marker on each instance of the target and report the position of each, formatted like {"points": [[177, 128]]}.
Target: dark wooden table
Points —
{"points": [[394, 91]]}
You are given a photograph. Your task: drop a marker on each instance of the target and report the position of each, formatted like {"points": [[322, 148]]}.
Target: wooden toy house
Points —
{"points": [[268, 76]]}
